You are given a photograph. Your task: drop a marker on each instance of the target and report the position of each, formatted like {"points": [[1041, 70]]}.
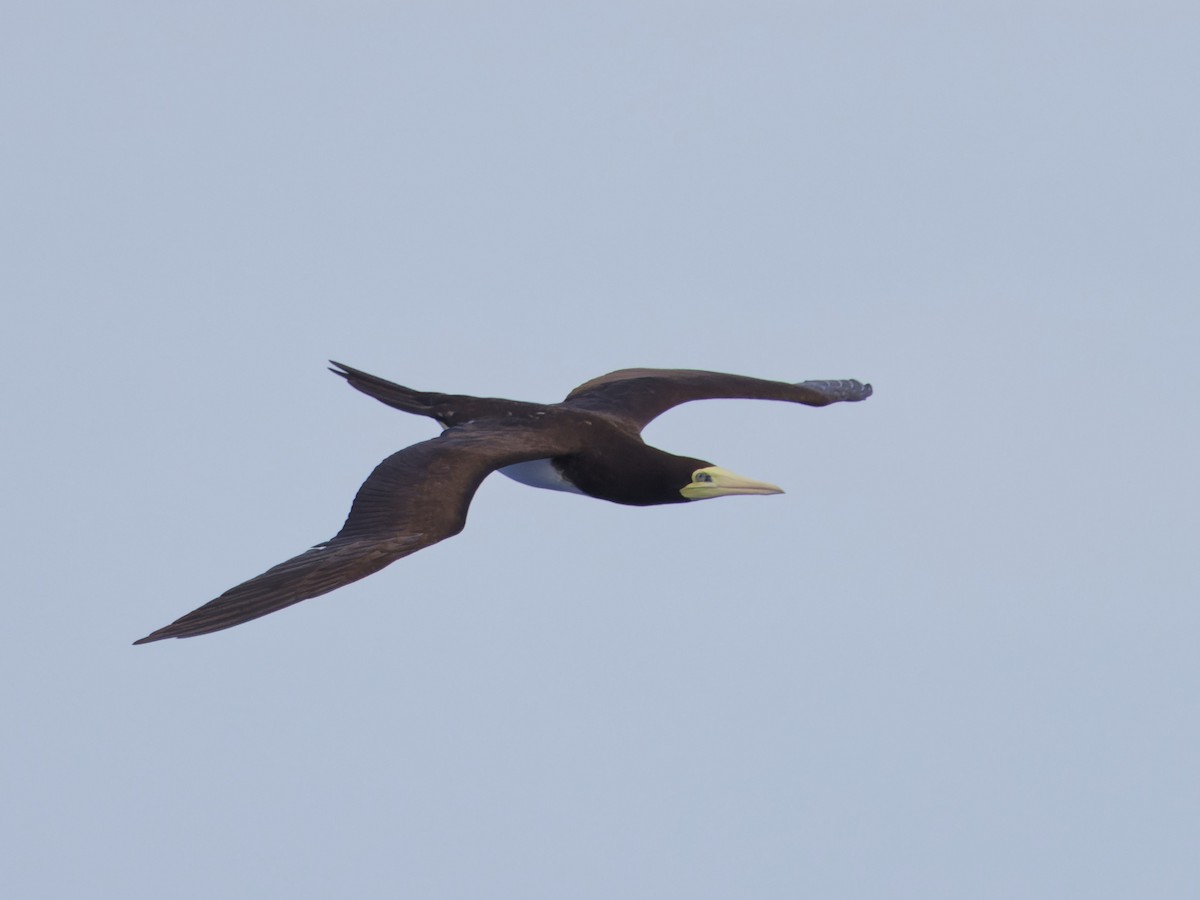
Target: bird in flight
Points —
{"points": [[589, 444]]}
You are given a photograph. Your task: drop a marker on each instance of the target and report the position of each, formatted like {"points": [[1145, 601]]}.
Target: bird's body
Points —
{"points": [[589, 444]]}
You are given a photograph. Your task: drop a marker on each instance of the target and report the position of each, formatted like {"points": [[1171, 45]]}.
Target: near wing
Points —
{"points": [[414, 498], [640, 395]]}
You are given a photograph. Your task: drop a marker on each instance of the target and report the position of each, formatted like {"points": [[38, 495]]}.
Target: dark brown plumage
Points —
{"points": [[590, 443]]}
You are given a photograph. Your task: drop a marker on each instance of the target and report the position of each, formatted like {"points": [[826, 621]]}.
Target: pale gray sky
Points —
{"points": [[957, 658]]}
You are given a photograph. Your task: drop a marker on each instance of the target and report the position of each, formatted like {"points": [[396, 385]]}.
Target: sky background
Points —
{"points": [[957, 659]]}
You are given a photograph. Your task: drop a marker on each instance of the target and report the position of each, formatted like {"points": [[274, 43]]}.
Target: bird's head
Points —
{"points": [[713, 481]]}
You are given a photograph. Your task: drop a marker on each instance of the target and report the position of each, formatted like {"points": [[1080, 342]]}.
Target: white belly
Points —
{"points": [[539, 473]]}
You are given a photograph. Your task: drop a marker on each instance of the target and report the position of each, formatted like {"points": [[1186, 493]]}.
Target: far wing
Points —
{"points": [[638, 396], [414, 498]]}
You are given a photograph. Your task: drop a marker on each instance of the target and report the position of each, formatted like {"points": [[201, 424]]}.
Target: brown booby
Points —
{"points": [[589, 444]]}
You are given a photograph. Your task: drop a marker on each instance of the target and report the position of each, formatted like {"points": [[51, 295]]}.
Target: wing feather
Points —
{"points": [[412, 499], [638, 396]]}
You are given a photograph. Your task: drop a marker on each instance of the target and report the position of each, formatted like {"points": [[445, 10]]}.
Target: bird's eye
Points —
{"points": [[703, 476]]}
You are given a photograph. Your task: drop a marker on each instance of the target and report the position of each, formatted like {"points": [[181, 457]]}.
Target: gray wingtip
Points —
{"points": [[849, 390]]}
